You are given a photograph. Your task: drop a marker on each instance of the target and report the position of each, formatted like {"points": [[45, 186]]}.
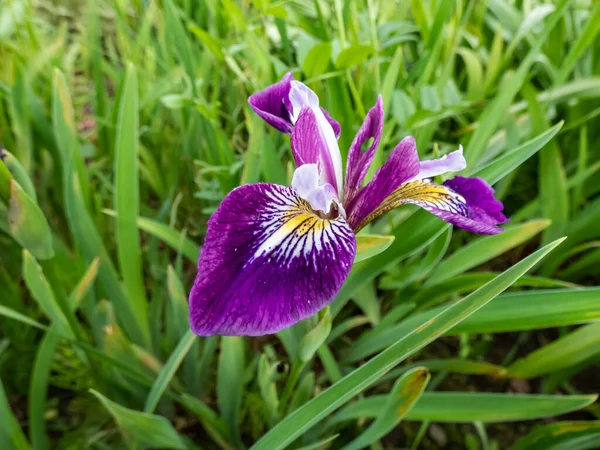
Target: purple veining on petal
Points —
{"points": [[359, 161], [401, 166], [267, 263], [272, 104], [479, 195], [452, 162], [310, 147], [301, 98]]}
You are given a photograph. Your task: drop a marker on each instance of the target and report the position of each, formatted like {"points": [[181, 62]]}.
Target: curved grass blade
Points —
{"points": [[126, 198], [155, 431], [500, 167], [168, 371], [175, 239], [578, 435], [369, 245], [399, 402], [319, 407], [484, 249], [516, 311], [38, 389], [567, 351], [11, 434], [459, 407]]}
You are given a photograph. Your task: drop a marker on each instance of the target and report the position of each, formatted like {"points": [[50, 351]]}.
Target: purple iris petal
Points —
{"points": [[273, 105], [359, 161], [309, 146], [268, 262], [484, 211], [337, 129], [401, 166]]}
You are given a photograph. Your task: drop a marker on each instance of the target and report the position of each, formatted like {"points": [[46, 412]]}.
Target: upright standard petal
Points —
{"points": [[358, 161], [401, 166], [465, 202], [272, 104], [302, 99], [452, 162], [268, 262], [310, 147]]}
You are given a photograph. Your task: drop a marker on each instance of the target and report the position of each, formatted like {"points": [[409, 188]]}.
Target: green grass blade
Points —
{"points": [[567, 351], [126, 198], [399, 402], [457, 407], [483, 249], [500, 167], [175, 239], [368, 245], [156, 431], [578, 48], [230, 385], [496, 111], [168, 371], [578, 435], [11, 434], [42, 292], [334, 397], [422, 229], [38, 389], [517, 311], [27, 223]]}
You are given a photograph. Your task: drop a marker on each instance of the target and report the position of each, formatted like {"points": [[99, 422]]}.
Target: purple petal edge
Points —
{"points": [[359, 161], [267, 263], [272, 104], [401, 166], [484, 212]]}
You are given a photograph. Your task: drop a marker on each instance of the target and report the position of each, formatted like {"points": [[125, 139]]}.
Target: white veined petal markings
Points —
{"points": [[290, 229]]}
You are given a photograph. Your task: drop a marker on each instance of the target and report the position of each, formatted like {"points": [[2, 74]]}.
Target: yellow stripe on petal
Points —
{"points": [[422, 193]]}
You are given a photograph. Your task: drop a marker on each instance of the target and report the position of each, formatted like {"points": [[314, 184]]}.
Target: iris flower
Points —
{"points": [[274, 255]]}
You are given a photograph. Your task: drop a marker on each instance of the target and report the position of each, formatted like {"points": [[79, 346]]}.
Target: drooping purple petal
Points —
{"points": [[272, 104], [483, 207], [401, 166], [476, 211], [452, 162], [359, 161], [309, 146], [268, 262]]}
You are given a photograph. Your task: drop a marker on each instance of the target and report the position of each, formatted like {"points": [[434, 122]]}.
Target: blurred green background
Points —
{"points": [[126, 123]]}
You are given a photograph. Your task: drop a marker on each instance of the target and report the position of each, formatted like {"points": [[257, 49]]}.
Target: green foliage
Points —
{"points": [[126, 123]]}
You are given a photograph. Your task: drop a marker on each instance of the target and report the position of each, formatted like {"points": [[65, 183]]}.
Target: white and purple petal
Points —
{"points": [[401, 166], [268, 262], [452, 162], [306, 183], [359, 161], [311, 127]]}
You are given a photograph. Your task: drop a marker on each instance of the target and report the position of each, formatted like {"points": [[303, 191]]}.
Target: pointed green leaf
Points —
{"points": [[154, 431]]}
